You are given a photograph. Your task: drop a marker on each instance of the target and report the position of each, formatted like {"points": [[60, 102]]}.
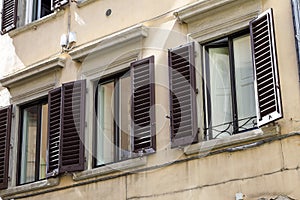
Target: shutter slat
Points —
{"points": [[268, 98], [182, 95], [73, 120], [9, 16], [54, 131], [5, 122], [143, 101]]}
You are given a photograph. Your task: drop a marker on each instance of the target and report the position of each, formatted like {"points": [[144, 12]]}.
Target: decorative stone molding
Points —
{"points": [[32, 71], [210, 19], [130, 34]]}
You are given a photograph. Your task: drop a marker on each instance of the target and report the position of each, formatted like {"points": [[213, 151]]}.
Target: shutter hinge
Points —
{"points": [[86, 90], [168, 117], [85, 124], [197, 91], [11, 146], [198, 130]]}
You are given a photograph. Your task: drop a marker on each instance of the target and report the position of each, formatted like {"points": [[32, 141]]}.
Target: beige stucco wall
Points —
{"points": [[267, 170]]}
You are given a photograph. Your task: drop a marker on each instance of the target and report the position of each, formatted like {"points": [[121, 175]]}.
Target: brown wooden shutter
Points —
{"points": [[183, 114], [54, 131], [5, 127], [9, 15], [73, 125], [142, 105], [267, 89], [55, 4]]}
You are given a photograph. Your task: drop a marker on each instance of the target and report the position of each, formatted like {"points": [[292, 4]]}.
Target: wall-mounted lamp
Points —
{"points": [[68, 41]]}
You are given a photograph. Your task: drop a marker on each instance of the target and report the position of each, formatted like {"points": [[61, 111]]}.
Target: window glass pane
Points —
{"points": [[28, 146], [124, 117], [244, 83], [220, 92], [105, 120], [43, 141]]}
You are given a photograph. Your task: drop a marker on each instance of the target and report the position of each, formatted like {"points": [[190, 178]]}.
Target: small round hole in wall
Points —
{"points": [[108, 12]]}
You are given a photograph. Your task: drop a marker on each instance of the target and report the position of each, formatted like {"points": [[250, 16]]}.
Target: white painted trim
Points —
{"points": [[126, 35]]}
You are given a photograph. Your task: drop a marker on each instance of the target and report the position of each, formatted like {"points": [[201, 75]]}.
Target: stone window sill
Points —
{"points": [[33, 25], [111, 168], [14, 192], [235, 140]]}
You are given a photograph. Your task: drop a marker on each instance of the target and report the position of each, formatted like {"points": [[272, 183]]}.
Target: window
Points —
{"points": [[229, 95], [31, 10], [33, 142], [17, 13], [240, 84], [113, 111], [125, 114]]}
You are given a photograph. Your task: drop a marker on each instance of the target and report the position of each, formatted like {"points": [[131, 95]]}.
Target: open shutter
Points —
{"points": [[54, 131], [142, 105], [9, 15], [182, 95], [267, 89], [5, 127], [55, 4], [73, 125]]}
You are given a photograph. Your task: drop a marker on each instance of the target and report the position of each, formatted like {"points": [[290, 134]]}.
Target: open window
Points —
{"points": [[125, 114], [33, 142], [241, 89], [17, 13]]}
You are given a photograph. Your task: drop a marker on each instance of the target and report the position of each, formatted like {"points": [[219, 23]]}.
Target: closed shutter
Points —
{"points": [[54, 131], [5, 127], [182, 95], [55, 4], [9, 15], [73, 122], [142, 105], [267, 89]]}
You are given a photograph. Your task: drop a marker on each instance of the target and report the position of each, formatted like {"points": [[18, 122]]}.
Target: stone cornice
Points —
{"points": [[32, 71], [195, 10], [126, 35]]}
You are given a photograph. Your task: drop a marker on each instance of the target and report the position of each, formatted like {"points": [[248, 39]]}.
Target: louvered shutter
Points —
{"points": [[9, 15], [73, 122], [55, 4], [5, 127], [182, 85], [54, 131], [267, 89], [142, 105]]}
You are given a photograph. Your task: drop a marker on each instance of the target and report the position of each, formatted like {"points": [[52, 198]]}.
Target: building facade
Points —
{"points": [[137, 100]]}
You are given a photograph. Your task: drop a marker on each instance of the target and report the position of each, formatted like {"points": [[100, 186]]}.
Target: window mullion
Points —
{"points": [[38, 143], [235, 123], [116, 119]]}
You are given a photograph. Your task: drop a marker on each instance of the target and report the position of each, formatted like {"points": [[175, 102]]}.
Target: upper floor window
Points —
{"points": [[31, 10], [17, 13], [229, 95], [240, 84], [113, 111], [125, 114], [33, 142]]}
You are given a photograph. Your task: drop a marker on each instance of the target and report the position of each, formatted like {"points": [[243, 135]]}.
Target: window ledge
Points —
{"points": [[82, 3], [115, 167], [33, 25], [14, 192], [206, 146]]}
